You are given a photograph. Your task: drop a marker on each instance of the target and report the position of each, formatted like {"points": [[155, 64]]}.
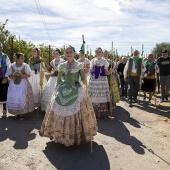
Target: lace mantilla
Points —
{"points": [[77, 66], [55, 64], [16, 68], [97, 62]]}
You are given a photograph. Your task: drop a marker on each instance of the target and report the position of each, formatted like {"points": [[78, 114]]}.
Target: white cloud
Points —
{"points": [[126, 22]]}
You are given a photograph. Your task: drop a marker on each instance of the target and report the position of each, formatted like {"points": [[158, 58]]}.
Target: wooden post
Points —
{"points": [[142, 50], [88, 107], [131, 51], [49, 53], [112, 46], [12, 50], [19, 44]]}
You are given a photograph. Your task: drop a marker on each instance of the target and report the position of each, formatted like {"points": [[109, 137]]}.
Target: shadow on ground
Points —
{"points": [[116, 128], [20, 131], [162, 110], [77, 157], [159, 109]]}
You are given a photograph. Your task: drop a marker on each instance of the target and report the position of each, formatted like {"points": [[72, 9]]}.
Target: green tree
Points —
{"points": [[159, 47]]}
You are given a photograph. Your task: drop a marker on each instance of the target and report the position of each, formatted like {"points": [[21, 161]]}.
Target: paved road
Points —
{"points": [[138, 138]]}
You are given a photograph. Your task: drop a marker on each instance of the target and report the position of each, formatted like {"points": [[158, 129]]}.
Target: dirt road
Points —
{"points": [[138, 138]]}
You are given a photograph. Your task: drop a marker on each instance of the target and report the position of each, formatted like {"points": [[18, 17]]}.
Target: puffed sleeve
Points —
{"points": [[27, 69], [106, 65], [8, 63], [91, 64], [9, 73], [43, 67]]}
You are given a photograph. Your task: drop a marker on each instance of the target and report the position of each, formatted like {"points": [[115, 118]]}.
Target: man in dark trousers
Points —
{"points": [[164, 72], [132, 73], [4, 67], [124, 84]]}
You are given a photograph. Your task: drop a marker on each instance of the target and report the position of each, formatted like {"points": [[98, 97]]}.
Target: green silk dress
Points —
{"points": [[70, 116]]}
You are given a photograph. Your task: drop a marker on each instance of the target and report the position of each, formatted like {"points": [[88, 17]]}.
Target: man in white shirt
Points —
{"points": [[132, 73]]}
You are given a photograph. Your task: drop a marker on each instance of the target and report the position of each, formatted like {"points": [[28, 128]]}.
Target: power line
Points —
{"points": [[11, 20], [43, 18]]}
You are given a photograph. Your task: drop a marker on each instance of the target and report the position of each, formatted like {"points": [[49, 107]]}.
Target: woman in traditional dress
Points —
{"points": [[98, 83], [70, 118], [37, 78], [83, 59], [20, 96], [49, 89], [149, 81], [112, 79]]}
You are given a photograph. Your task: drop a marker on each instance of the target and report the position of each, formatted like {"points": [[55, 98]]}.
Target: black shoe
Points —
{"points": [[135, 101], [130, 103]]}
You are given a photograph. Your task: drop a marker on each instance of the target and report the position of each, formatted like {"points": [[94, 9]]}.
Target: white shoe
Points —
{"points": [[4, 113], [149, 102]]}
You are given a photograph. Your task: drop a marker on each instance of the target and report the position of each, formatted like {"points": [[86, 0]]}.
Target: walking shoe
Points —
{"points": [[149, 102], [144, 98], [135, 101], [130, 103], [125, 96], [162, 99], [166, 97], [4, 114]]}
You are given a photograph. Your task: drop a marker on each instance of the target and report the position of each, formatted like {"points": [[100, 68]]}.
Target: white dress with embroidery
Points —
{"points": [[49, 88], [98, 85], [20, 96], [36, 79]]}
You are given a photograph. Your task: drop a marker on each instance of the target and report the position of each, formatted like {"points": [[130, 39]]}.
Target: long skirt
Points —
{"points": [[47, 94], [99, 93], [3, 91], [70, 125], [114, 91], [20, 98], [34, 80], [148, 85]]}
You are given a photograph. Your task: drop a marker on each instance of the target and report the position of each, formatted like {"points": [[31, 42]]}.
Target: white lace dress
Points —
{"points": [[20, 95]]}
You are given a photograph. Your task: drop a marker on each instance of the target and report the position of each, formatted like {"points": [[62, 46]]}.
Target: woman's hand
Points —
{"points": [[86, 71], [5, 80], [120, 73], [111, 70], [17, 74], [14, 77], [23, 76]]}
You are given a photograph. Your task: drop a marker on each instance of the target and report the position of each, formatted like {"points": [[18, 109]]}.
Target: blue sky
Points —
{"points": [[125, 22]]}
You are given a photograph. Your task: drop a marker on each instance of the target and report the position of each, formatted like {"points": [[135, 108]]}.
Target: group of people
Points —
{"points": [[137, 74], [78, 91]]}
